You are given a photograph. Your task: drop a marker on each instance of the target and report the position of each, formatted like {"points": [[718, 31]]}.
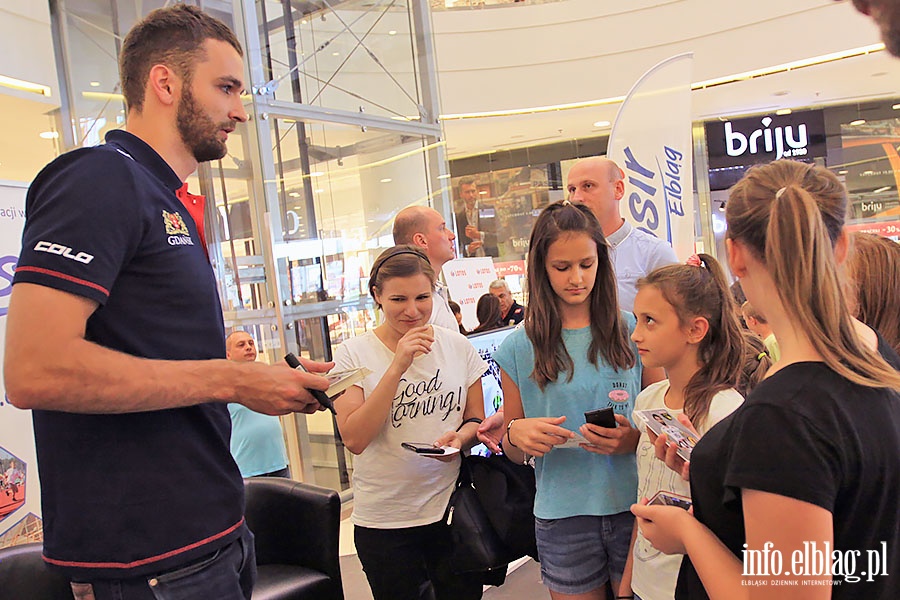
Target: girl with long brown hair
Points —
{"points": [[811, 461], [687, 325], [572, 356], [874, 270]]}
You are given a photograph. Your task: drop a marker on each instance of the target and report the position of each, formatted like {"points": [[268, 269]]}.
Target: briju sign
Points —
{"points": [[744, 142]]}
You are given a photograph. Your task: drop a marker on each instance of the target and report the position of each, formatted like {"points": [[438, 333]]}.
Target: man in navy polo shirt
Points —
{"points": [[115, 337]]}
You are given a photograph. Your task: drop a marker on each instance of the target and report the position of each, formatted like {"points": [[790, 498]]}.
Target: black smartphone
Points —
{"points": [[602, 417], [421, 448]]}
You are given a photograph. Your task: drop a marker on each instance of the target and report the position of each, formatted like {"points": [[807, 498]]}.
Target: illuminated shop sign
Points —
{"points": [[744, 142], [785, 145], [736, 144]]}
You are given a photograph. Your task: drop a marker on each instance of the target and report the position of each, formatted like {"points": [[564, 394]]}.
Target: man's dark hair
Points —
{"points": [[172, 36], [465, 181]]}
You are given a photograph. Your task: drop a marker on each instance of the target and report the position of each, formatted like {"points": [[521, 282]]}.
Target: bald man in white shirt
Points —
{"points": [[425, 227]]}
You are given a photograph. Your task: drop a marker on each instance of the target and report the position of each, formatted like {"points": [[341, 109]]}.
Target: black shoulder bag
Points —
{"points": [[491, 514]]}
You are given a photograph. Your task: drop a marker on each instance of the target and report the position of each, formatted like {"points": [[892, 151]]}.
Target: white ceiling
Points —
{"points": [[524, 56], [587, 50]]}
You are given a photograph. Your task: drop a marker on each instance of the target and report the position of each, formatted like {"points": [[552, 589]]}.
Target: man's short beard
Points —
{"points": [[198, 132]]}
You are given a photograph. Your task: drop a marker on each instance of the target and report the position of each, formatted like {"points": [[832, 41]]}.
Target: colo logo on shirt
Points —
{"points": [[176, 229], [64, 251]]}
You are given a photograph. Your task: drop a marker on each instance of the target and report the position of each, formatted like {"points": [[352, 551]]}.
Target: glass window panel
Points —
{"points": [[866, 162], [25, 151], [338, 189], [337, 206], [355, 56]]}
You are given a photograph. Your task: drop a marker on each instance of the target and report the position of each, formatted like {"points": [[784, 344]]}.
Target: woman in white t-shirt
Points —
{"points": [[425, 388]]}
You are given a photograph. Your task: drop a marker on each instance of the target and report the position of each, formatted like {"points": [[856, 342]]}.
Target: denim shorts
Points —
{"points": [[580, 554]]}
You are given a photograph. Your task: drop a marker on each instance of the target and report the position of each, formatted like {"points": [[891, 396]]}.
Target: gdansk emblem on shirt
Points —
{"points": [[174, 224]]}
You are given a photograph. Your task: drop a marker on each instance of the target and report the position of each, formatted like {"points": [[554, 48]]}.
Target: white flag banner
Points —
{"points": [[651, 142], [20, 500]]}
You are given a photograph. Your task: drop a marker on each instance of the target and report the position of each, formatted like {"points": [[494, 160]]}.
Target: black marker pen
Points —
{"points": [[294, 363]]}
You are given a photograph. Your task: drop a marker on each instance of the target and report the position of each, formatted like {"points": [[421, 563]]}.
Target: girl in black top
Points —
{"points": [[811, 462]]}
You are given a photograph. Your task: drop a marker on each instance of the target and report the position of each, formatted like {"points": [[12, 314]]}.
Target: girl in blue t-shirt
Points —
{"points": [[574, 355]]}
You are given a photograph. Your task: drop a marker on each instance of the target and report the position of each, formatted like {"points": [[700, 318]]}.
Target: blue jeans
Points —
{"points": [[227, 574]]}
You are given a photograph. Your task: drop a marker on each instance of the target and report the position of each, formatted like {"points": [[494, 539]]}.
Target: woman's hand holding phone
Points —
{"points": [[665, 527], [451, 443], [443, 449], [622, 439]]}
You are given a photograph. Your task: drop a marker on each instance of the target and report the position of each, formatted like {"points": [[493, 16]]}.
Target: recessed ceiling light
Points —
{"points": [[95, 84], [444, 176], [783, 111], [386, 180], [844, 172], [303, 22], [602, 124], [483, 193], [316, 174], [335, 53], [294, 194], [392, 32], [49, 135], [896, 107], [881, 189], [27, 86], [858, 122]]}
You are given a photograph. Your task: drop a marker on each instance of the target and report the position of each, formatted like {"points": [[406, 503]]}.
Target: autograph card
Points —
{"points": [[660, 421]]}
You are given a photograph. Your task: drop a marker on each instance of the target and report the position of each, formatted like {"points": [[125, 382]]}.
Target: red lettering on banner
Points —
{"points": [[514, 267], [884, 228]]}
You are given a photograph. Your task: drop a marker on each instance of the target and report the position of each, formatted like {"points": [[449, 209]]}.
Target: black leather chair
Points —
{"points": [[23, 574], [297, 528]]}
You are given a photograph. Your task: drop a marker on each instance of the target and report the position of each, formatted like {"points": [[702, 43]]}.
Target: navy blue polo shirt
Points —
{"points": [[139, 493]]}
